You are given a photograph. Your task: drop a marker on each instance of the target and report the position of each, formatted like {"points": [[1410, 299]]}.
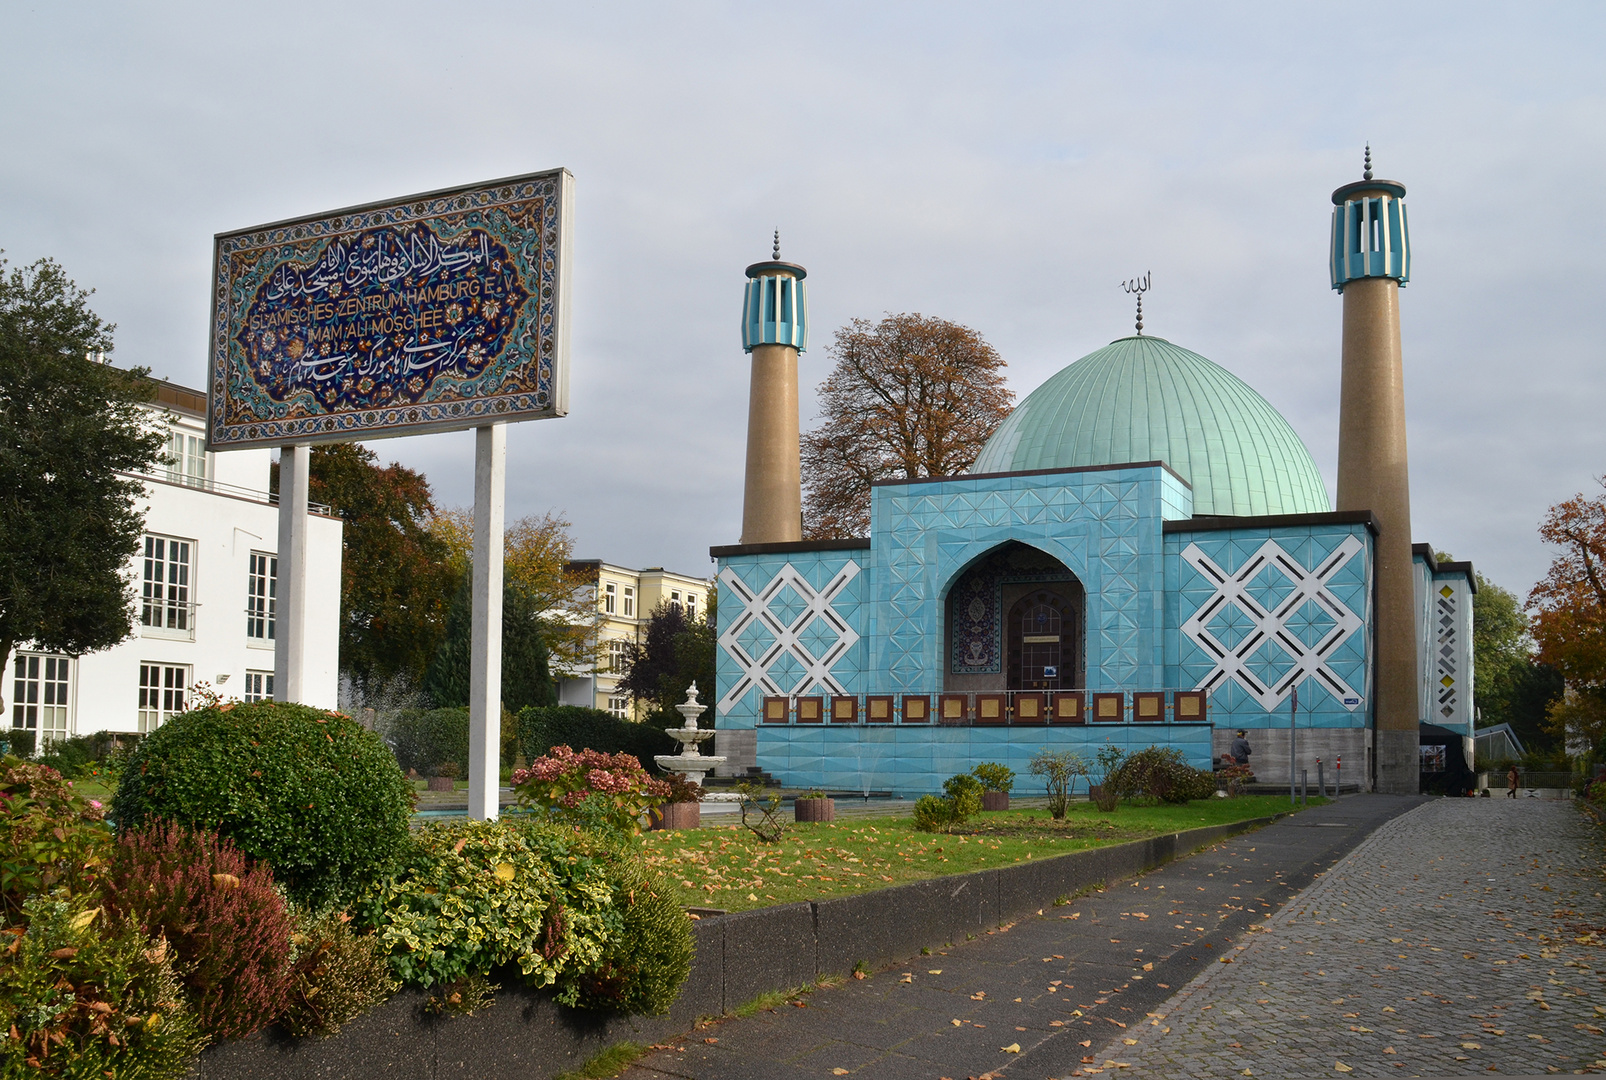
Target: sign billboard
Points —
{"points": [[431, 312]]}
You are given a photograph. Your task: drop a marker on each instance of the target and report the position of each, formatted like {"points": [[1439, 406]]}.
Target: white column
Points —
{"points": [[290, 591], [485, 667]]}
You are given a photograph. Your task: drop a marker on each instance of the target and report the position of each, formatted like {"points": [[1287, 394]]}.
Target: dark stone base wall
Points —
{"points": [[526, 1035]]}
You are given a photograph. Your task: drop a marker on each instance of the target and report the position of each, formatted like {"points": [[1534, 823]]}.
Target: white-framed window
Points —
{"points": [[630, 602], [618, 656], [261, 589], [166, 608], [186, 458], [610, 597], [674, 598], [41, 694], [258, 686], [691, 605], [163, 692], [619, 705]]}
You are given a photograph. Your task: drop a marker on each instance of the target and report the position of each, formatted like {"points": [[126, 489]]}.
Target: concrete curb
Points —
{"points": [[737, 958]]}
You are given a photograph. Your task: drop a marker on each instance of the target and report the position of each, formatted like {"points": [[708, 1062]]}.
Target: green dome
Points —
{"points": [[1144, 399]]}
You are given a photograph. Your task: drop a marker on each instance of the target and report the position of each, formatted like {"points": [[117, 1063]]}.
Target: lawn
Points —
{"points": [[727, 867]]}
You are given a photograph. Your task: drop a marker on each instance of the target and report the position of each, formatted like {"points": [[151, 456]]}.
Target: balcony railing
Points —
{"points": [[271, 498], [1007, 708]]}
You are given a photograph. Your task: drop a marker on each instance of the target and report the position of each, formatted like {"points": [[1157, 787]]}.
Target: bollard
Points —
{"points": [[1304, 787], [1321, 779], [1338, 777]]}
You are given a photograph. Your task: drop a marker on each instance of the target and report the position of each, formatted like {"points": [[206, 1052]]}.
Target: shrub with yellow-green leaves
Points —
{"points": [[574, 912]]}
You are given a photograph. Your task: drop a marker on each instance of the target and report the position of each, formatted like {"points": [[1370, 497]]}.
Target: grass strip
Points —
{"points": [[608, 1062], [727, 867]]}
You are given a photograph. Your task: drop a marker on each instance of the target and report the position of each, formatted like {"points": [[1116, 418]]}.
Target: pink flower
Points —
{"points": [[95, 803]]}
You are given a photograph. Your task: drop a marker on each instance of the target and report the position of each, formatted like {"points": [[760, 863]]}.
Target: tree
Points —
{"points": [[908, 396], [526, 675], [397, 577], [676, 652], [537, 560], [71, 429], [1570, 615]]}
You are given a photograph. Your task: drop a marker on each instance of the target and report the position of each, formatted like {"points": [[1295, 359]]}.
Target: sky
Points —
{"points": [[1002, 166]]}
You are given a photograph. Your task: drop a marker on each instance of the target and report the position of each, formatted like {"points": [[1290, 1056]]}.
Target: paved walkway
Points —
{"points": [[1462, 939], [1059, 994]]}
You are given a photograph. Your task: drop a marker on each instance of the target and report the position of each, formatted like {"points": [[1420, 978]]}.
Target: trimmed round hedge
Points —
{"points": [[311, 792]]}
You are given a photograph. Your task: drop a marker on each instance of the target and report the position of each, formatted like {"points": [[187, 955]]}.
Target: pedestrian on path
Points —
{"points": [[1240, 748], [1511, 782]]}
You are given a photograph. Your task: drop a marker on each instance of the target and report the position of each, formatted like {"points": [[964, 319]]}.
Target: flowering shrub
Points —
{"points": [[49, 836], [609, 792], [309, 791], [84, 995], [224, 921]]}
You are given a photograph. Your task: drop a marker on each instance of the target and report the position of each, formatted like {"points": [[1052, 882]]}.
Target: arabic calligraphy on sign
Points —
{"points": [[426, 313], [375, 318]]}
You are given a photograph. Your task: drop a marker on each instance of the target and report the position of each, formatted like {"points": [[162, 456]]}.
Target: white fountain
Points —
{"points": [[690, 760]]}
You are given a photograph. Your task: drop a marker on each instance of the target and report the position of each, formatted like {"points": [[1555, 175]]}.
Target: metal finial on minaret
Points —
{"points": [[1367, 175], [1138, 286], [776, 253]]}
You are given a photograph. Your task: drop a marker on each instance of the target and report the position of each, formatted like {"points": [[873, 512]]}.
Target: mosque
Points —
{"points": [[1143, 554]]}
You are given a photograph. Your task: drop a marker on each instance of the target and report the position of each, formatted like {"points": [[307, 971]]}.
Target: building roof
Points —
{"points": [[1143, 398]]}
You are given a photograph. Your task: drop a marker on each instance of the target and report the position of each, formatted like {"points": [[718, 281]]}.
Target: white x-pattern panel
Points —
{"points": [[756, 669], [1270, 624]]}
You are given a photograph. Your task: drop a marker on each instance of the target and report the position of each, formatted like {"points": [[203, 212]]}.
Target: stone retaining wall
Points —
{"points": [[525, 1034]]}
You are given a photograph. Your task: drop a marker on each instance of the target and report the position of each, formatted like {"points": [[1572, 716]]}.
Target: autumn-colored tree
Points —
{"points": [[677, 651], [1569, 606], [908, 396], [397, 578], [536, 561]]}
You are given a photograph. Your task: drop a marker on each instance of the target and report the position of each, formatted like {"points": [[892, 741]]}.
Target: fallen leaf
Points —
{"points": [[935, 971], [1012, 1048], [839, 1072], [955, 1023], [1341, 1067], [1471, 1046], [710, 1040], [1130, 1042], [1388, 1049]]}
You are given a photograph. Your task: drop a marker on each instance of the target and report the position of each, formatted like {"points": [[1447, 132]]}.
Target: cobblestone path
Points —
{"points": [[1461, 939]]}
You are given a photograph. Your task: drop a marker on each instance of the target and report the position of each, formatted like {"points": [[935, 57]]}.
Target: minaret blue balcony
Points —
{"points": [[775, 310], [1371, 237]]}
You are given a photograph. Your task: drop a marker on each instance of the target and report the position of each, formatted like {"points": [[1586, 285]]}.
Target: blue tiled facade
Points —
{"points": [[1247, 609]]}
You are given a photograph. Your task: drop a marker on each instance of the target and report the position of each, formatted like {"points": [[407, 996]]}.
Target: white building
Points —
{"points": [[204, 583], [625, 602]]}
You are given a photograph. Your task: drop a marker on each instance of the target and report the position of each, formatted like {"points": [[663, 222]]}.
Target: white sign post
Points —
{"points": [[485, 667], [290, 599]]}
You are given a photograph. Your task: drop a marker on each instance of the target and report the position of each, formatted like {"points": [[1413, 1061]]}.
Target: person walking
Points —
{"points": [[1240, 748], [1511, 782]]}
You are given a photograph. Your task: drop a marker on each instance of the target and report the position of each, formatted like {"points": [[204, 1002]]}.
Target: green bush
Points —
{"points": [[574, 913], [308, 791], [21, 742], [1059, 770], [994, 777], [961, 802], [220, 914], [339, 974], [540, 729], [84, 996], [49, 836], [1161, 774], [426, 739]]}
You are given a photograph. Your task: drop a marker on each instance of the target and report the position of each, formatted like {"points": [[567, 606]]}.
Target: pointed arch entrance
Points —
{"points": [[992, 640]]}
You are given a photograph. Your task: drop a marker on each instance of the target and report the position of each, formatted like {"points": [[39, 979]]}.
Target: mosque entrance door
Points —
{"points": [[1042, 646]]}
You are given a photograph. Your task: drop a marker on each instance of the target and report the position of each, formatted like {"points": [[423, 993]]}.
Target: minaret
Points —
{"points": [[1370, 261], [774, 330]]}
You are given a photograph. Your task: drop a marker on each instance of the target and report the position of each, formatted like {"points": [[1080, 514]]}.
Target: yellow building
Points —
{"points": [[625, 601]]}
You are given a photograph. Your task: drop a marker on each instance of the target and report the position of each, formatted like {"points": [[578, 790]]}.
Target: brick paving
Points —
{"points": [[1461, 939]]}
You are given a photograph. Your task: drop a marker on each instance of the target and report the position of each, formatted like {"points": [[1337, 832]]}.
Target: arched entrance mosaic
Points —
{"points": [[985, 636]]}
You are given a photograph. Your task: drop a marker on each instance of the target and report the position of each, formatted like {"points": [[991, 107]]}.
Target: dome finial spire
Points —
{"points": [[776, 253], [1367, 174], [1138, 286]]}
